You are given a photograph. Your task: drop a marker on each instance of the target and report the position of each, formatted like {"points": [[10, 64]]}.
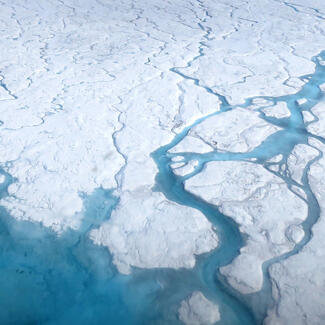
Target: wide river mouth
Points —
{"points": [[46, 279]]}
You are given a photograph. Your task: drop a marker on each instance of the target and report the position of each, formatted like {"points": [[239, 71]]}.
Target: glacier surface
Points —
{"points": [[162, 162]]}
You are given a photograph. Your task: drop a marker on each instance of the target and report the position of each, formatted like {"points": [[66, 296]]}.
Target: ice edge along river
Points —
{"points": [[293, 133], [51, 280]]}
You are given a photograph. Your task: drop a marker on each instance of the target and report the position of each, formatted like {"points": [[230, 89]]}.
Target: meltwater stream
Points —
{"points": [[46, 279], [235, 311]]}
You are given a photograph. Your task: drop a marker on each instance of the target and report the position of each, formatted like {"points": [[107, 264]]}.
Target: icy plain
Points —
{"points": [[162, 162]]}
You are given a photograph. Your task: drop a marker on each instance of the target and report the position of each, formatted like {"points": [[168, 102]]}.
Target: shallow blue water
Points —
{"points": [[294, 132], [45, 279]]}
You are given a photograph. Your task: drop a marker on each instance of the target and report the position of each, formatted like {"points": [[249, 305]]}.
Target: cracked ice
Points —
{"points": [[203, 119]]}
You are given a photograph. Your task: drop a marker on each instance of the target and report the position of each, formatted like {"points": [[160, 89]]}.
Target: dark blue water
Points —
{"points": [[46, 279]]}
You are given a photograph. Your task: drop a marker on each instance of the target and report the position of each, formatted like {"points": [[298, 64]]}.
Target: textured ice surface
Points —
{"points": [[192, 144], [298, 159], [187, 169], [300, 280], [238, 130], [198, 310], [64, 147], [146, 230], [90, 89], [308, 117], [318, 127], [279, 111], [261, 204]]}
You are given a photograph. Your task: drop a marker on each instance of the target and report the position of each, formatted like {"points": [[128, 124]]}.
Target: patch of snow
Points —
{"points": [[276, 159], [280, 110], [318, 127], [295, 233], [65, 147], [238, 130], [298, 159], [187, 169], [302, 101], [198, 310], [299, 281], [2, 178]]}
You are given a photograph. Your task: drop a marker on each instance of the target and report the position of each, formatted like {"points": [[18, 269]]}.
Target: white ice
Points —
{"points": [[263, 206], [299, 282], [198, 310], [89, 89], [148, 231], [238, 130]]}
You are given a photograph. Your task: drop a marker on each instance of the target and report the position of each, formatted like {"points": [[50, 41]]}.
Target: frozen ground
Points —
{"points": [[135, 98]]}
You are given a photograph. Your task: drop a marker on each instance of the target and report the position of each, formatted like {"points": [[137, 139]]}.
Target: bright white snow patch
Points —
{"points": [[148, 231], [238, 130], [198, 310]]}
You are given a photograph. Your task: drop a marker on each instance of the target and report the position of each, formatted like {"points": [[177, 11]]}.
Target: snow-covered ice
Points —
{"points": [[192, 144], [279, 111], [298, 159], [90, 89], [64, 147], [300, 280], [238, 130], [187, 169], [308, 117], [318, 128], [261, 204], [148, 231], [198, 310]]}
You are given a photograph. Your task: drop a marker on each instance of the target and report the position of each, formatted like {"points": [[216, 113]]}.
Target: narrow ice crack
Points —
{"points": [[5, 88], [119, 176]]}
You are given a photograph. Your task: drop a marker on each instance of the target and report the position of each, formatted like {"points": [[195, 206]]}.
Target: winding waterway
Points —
{"points": [[46, 279]]}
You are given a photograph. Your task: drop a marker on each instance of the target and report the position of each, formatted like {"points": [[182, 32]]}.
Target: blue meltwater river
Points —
{"points": [[46, 279]]}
